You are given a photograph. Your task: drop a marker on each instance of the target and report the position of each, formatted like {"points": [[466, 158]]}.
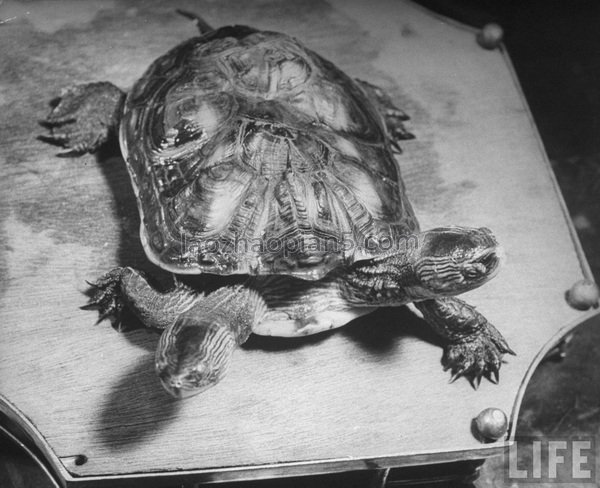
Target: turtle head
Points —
{"points": [[453, 260], [192, 356]]}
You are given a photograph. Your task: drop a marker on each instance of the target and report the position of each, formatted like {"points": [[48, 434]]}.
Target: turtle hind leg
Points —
{"points": [[393, 116], [474, 346], [85, 117]]}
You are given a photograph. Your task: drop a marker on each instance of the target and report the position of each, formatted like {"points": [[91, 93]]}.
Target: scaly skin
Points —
{"points": [[126, 286], [393, 116], [85, 117], [474, 346], [443, 262], [200, 332]]}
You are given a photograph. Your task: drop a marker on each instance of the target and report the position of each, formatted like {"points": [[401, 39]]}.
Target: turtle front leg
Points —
{"points": [[200, 332], [85, 117], [475, 347], [126, 286]]}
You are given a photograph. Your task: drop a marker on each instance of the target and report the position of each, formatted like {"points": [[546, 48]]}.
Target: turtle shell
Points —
{"points": [[250, 154]]}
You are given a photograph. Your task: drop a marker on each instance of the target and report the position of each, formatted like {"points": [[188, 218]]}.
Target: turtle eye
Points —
{"points": [[489, 261], [193, 378], [199, 371], [220, 172]]}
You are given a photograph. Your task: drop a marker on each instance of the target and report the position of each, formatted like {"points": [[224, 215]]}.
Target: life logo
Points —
{"points": [[570, 460]]}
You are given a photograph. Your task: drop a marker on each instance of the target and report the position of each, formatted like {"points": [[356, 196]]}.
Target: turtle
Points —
{"points": [[258, 162]]}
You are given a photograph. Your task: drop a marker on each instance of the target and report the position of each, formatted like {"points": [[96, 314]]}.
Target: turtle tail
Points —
{"points": [[202, 25]]}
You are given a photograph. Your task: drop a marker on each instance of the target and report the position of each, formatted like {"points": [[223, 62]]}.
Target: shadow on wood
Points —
{"points": [[378, 332], [137, 408]]}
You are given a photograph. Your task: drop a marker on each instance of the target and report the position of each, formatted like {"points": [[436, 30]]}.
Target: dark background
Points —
{"points": [[555, 47]]}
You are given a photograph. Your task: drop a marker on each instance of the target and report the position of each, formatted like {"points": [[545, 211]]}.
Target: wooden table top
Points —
{"points": [[371, 394]]}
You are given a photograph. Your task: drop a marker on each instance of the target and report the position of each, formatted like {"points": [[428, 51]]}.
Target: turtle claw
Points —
{"points": [[493, 373], [455, 375], [493, 376], [476, 356], [106, 297], [68, 153], [475, 381], [114, 314]]}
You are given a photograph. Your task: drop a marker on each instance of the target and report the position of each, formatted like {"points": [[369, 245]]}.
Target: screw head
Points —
{"points": [[583, 295], [490, 36], [491, 423]]}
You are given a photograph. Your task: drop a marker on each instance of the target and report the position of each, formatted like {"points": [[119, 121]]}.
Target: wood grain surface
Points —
{"points": [[370, 394]]}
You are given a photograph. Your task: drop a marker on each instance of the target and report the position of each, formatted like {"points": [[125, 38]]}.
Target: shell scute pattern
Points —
{"points": [[264, 68], [258, 156]]}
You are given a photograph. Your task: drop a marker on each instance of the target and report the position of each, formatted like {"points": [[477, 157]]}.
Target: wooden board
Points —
{"points": [[372, 394]]}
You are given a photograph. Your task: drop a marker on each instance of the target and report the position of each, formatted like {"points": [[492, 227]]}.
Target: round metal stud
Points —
{"points": [[583, 295], [491, 424], [490, 36]]}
